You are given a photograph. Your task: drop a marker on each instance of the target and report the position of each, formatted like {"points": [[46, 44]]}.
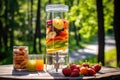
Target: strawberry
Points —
{"points": [[78, 67], [85, 64], [91, 72], [49, 22], [75, 73], [97, 67], [66, 71], [73, 66], [92, 68], [83, 70]]}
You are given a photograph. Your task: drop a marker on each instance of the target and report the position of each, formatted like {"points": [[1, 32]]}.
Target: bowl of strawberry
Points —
{"points": [[84, 69]]}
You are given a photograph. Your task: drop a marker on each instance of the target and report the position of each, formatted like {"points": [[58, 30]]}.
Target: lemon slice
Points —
{"points": [[58, 23], [51, 35]]}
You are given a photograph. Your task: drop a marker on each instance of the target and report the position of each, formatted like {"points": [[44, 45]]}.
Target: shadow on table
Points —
{"points": [[20, 73], [25, 72], [60, 76]]}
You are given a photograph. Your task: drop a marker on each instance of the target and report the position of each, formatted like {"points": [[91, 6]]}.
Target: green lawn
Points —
{"points": [[110, 59]]}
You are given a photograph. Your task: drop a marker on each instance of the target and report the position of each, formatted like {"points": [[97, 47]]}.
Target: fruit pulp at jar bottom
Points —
{"points": [[39, 65], [56, 35]]}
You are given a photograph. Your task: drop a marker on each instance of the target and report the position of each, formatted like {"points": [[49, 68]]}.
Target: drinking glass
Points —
{"points": [[31, 65], [35, 62], [39, 62]]}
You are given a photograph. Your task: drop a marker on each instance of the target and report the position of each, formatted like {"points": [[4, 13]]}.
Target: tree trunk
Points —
{"points": [[101, 33], [76, 33], [117, 28], [1, 24], [70, 3], [38, 28], [31, 14], [49, 1], [1, 30], [5, 30], [12, 24]]}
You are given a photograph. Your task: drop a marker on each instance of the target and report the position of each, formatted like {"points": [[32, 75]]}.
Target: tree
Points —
{"points": [[49, 1], [38, 29], [117, 28], [101, 33], [5, 29], [1, 24]]}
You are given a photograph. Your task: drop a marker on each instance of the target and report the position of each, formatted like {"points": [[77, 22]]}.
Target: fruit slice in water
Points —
{"points": [[58, 23], [51, 35]]}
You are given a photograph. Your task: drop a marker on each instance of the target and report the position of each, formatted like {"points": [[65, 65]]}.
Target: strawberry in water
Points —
{"points": [[49, 22]]}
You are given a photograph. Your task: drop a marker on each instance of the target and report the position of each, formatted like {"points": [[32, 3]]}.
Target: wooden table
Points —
{"points": [[7, 73]]}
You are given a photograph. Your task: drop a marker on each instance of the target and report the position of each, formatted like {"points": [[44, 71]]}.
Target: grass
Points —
{"points": [[110, 59], [91, 60]]}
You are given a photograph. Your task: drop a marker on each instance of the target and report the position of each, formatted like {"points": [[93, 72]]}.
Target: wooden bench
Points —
{"points": [[7, 73]]}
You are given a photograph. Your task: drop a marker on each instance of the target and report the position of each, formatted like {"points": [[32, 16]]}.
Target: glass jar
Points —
{"points": [[56, 37], [20, 57]]}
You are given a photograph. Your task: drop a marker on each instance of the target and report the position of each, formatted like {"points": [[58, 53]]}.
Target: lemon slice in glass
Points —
{"points": [[51, 35], [58, 23]]}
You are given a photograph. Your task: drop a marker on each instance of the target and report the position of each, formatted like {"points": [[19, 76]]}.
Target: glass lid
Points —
{"points": [[56, 8]]}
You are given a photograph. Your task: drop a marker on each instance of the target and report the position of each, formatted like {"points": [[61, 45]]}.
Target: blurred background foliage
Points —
{"points": [[18, 24]]}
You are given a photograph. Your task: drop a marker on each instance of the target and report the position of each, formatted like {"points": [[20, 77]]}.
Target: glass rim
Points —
{"points": [[56, 8], [17, 46], [36, 54]]}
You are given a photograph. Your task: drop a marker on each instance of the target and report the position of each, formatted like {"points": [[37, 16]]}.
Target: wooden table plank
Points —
{"points": [[7, 72]]}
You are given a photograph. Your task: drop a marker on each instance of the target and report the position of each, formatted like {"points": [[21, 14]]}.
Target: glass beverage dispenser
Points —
{"points": [[56, 38]]}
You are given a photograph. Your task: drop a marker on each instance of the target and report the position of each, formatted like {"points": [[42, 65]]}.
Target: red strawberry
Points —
{"points": [[85, 64], [92, 68], [73, 66], [83, 70], [78, 67], [75, 73], [66, 71], [97, 67], [91, 72]]}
